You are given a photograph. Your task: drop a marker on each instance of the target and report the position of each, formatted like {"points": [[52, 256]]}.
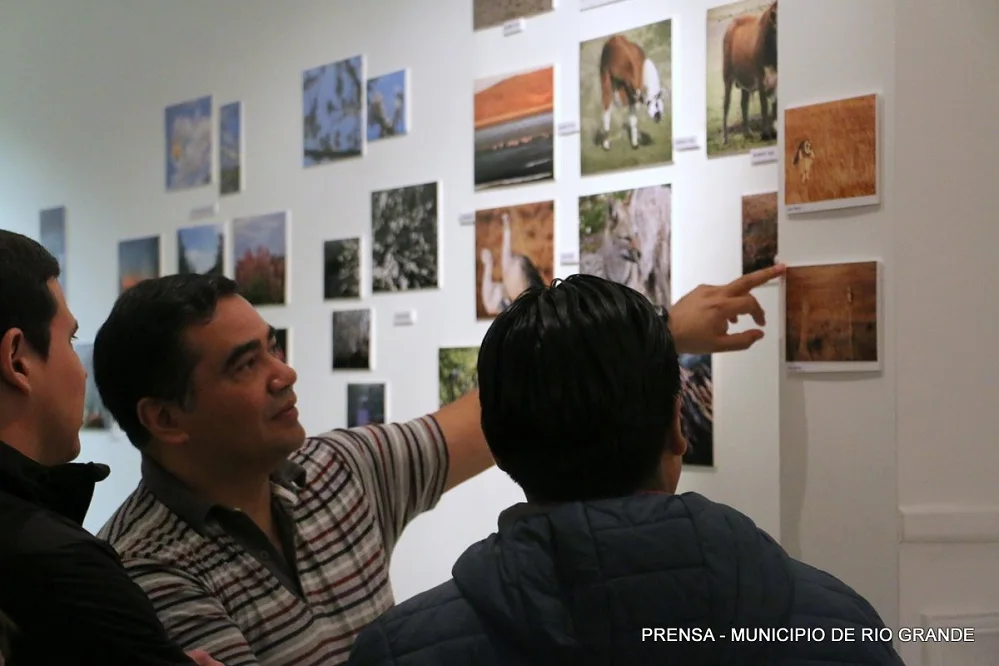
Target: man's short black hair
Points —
{"points": [[139, 352], [578, 384], [26, 301]]}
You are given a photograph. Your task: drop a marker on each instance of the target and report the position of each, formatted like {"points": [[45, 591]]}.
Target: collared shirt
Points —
{"points": [[64, 593], [360, 488], [198, 512]]}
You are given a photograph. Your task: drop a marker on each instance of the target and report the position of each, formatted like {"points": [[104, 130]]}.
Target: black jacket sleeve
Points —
{"points": [[74, 598]]}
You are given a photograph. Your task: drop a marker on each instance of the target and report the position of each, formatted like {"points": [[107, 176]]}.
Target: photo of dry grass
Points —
{"points": [[625, 100], [697, 411], [741, 77], [514, 251], [352, 339], [832, 313], [515, 128], [491, 13], [625, 237], [457, 372], [759, 231], [830, 155]]}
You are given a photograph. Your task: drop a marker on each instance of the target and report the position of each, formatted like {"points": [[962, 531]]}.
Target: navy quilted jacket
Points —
{"points": [[588, 584]]}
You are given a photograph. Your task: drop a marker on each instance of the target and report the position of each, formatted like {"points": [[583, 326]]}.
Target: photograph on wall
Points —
{"points": [[491, 13], [515, 128], [514, 251], [365, 404], [138, 260], [625, 104], [593, 4], [697, 410], [52, 236], [281, 342], [625, 236], [388, 105], [342, 268], [260, 256], [405, 225], [352, 339], [759, 231], [457, 372], [333, 111], [201, 249], [832, 317], [741, 77], [831, 155], [95, 415], [189, 144], [230, 148]]}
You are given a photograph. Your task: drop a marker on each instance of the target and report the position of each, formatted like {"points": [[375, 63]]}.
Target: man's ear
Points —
{"points": [[15, 360], [678, 442], [160, 418]]}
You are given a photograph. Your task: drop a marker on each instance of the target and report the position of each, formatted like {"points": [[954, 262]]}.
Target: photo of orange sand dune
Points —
{"points": [[759, 231], [138, 260], [515, 128], [830, 155], [832, 313], [514, 250]]}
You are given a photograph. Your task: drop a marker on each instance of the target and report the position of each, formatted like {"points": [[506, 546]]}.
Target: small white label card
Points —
{"points": [[207, 210], [686, 143], [568, 258], [466, 219], [568, 127], [404, 318], [763, 155], [513, 26]]}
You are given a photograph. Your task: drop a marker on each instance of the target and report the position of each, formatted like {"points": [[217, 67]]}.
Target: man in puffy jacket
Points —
{"points": [[603, 564]]}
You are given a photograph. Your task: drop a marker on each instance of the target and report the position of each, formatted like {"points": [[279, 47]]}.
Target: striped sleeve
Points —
{"points": [[191, 614], [402, 468]]}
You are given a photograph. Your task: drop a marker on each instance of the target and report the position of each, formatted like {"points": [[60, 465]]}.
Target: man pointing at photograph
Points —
{"points": [[257, 544]]}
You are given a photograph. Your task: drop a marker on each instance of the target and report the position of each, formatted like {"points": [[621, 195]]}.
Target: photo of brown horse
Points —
{"points": [[742, 54]]}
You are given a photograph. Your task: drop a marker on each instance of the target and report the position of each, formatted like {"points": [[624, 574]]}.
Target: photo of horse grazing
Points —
{"points": [[742, 54], [627, 74], [628, 77]]}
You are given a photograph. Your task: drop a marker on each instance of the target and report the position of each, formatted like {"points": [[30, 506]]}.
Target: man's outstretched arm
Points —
{"points": [[699, 323]]}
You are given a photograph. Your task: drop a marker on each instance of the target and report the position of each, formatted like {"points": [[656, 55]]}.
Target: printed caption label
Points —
{"points": [[513, 26], [763, 155]]}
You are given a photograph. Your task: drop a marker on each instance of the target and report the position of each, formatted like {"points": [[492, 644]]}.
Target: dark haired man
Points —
{"points": [[64, 595], [580, 389], [253, 542]]}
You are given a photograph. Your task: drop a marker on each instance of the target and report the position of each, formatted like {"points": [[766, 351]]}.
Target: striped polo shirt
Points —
{"points": [[356, 491]]}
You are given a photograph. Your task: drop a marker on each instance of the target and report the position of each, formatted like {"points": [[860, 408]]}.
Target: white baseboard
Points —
{"points": [[986, 626], [950, 524]]}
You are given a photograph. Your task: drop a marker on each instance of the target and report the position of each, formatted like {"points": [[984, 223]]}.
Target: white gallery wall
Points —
{"points": [[839, 468]]}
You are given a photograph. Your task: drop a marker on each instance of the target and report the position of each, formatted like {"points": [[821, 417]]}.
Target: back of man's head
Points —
{"points": [[578, 384], [26, 301]]}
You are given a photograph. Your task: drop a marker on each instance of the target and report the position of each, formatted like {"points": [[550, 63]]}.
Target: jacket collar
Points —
{"points": [[513, 513], [66, 489]]}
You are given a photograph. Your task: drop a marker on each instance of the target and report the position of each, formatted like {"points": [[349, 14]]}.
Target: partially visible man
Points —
{"points": [[258, 544], [64, 594], [604, 564]]}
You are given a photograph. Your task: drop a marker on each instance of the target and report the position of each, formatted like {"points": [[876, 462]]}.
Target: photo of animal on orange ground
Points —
{"points": [[832, 313], [514, 251], [625, 237], [759, 231], [625, 103], [830, 152], [741, 77]]}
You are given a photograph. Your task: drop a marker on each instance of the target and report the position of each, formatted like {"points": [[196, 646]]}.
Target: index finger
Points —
{"points": [[750, 281]]}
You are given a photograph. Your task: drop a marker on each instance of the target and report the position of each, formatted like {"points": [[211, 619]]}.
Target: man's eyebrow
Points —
{"points": [[238, 352]]}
